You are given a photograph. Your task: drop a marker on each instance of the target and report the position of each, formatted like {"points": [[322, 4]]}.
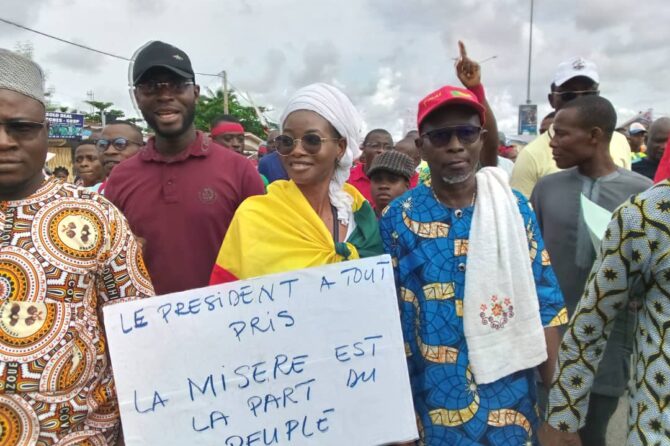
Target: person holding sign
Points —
{"points": [[479, 302], [65, 254], [315, 218]]}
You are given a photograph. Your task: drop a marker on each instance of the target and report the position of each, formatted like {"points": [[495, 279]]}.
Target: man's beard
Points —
{"points": [[189, 117], [458, 179]]}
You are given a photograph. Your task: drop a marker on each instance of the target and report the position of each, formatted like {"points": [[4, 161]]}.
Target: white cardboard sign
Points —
{"points": [[308, 357]]}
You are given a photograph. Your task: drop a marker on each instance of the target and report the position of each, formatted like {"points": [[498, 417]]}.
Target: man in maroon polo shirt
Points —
{"points": [[181, 190]]}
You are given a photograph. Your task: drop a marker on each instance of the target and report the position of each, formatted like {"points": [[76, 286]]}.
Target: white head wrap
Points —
{"points": [[336, 108]]}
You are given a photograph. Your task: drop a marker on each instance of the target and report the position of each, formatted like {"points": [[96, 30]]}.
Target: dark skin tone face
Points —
{"points": [[61, 175], [636, 141], [408, 147], [574, 145], [578, 83], [271, 144], [112, 156], [307, 169], [383, 141], [571, 145], [658, 137], [170, 114], [22, 156], [88, 164], [455, 162], [385, 187], [232, 141]]}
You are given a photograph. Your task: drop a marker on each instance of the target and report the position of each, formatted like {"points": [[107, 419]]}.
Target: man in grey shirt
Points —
{"points": [[580, 141]]}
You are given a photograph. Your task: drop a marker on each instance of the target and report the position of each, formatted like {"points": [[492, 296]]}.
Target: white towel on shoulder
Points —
{"points": [[501, 316]]}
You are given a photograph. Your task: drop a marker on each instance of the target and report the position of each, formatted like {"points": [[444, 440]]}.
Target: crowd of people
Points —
{"points": [[518, 329]]}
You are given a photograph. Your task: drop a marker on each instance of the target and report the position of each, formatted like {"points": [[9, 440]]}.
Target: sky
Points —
{"points": [[385, 54]]}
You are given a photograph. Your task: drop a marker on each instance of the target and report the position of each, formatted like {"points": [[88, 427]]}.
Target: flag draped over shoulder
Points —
{"points": [[281, 232]]}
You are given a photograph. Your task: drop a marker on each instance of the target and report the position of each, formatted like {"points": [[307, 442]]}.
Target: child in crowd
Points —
{"points": [[389, 175]]}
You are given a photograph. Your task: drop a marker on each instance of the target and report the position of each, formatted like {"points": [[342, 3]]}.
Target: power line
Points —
{"points": [[104, 53], [79, 45]]}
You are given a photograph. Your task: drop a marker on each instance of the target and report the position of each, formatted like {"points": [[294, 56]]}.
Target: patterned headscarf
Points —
{"points": [[336, 108], [22, 75]]}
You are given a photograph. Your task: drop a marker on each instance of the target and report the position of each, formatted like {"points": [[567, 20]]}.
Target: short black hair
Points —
{"points": [[377, 132], [594, 111], [129, 124], [61, 169], [224, 118], [85, 142]]}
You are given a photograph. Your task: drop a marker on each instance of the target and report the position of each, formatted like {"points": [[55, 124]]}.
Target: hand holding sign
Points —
{"points": [[302, 358], [467, 70]]}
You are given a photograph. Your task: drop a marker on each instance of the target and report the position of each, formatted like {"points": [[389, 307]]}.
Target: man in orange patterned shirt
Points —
{"points": [[65, 252]]}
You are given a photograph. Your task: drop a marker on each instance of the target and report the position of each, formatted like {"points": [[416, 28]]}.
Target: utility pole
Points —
{"points": [[530, 52], [224, 75]]}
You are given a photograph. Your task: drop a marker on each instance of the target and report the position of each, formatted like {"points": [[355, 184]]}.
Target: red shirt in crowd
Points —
{"points": [[360, 181], [182, 206]]}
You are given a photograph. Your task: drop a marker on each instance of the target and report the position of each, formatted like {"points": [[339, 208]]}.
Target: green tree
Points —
{"points": [[210, 105]]}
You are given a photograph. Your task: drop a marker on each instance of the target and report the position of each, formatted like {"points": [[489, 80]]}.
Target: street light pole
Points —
{"points": [[530, 52], [224, 75]]}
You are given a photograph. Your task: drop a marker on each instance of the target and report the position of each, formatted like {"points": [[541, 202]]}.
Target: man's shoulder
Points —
{"points": [[84, 197], [635, 180]]}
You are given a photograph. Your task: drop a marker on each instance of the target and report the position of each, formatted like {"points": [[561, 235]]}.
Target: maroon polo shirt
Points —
{"points": [[182, 206]]}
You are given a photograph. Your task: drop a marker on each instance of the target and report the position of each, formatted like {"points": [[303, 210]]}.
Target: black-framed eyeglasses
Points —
{"points": [[377, 146], [22, 129], [466, 134], [119, 144], [175, 86], [568, 96], [311, 142]]}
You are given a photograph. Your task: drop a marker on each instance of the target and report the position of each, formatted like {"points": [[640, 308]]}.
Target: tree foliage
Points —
{"points": [[210, 105]]}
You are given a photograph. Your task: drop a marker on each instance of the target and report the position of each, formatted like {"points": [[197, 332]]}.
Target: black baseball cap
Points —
{"points": [[161, 54]]}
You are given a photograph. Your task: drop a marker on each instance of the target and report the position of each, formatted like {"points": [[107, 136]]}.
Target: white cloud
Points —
{"points": [[387, 54]]}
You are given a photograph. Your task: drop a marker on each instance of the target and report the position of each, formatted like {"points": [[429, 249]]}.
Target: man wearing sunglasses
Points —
{"points": [[429, 233], [118, 141], [573, 78], [181, 190], [65, 254]]}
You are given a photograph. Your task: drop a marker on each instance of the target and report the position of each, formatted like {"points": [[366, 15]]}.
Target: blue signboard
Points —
{"points": [[528, 119], [65, 125]]}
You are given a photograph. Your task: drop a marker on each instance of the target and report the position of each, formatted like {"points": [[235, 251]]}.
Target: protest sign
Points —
{"points": [[314, 356]]}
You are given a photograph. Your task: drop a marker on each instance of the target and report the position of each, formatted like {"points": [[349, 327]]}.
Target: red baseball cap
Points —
{"points": [[448, 95]]}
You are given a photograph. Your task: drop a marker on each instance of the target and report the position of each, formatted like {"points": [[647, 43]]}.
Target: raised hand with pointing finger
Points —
{"points": [[467, 70], [470, 75]]}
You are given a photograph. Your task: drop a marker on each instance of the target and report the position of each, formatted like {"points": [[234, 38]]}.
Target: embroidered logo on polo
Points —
{"points": [[207, 195], [497, 313]]}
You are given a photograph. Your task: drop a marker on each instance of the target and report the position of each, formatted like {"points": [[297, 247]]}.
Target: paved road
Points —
{"points": [[618, 427]]}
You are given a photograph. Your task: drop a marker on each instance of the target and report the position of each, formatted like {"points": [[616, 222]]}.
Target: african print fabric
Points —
{"points": [[632, 263], [64, 253], [429, 246]]}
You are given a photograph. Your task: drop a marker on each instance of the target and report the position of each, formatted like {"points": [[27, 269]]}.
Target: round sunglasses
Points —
{"points": [[310, 142]]}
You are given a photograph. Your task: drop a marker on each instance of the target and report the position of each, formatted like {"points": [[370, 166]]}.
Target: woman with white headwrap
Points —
{"points": [[315, 218]]}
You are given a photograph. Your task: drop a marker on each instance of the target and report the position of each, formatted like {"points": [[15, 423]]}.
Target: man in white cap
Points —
{"points": [[573, 78], [65, 253], [636, 136]]}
